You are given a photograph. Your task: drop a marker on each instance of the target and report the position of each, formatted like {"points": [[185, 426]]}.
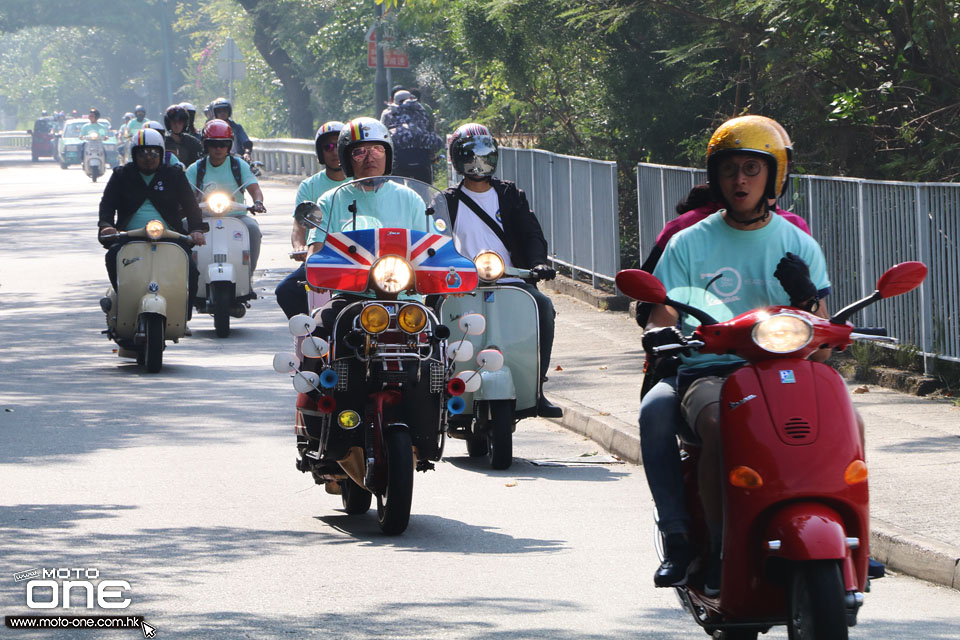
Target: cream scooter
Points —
{"points": [[94, 158], [224, 261], [150, 303]]}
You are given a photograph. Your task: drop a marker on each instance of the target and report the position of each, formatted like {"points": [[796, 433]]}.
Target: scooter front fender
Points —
{"points": [[220, 272], [153, 303], [496, 385], [807, 531]]}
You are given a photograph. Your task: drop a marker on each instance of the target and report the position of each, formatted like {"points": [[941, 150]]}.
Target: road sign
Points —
{"points": [[392, 58], [230, 66]]}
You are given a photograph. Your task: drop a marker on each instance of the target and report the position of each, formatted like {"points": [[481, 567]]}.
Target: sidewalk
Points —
{"points": [[913, 444]]}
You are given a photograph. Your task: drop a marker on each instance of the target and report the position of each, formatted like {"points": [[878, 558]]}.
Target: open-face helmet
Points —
{"points": [[139, 111], [216, 130], [175, 112], [330, 130], [221, 103], [754, 135], [473, 151], [156, 126], [145, 137], [363, 130]]}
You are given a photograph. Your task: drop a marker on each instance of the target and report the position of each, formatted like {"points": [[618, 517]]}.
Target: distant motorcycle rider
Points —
{"points": [[191, 118], [222, 109], [492, 214], [143, 190], [186, 147]]}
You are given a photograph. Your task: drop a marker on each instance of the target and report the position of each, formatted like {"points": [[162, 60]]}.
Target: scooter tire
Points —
{"points": [[816, 602], [393, 506], [476, 445], [500, 427], [222, 299], [735, 634], [153, 349], [356, 500]]}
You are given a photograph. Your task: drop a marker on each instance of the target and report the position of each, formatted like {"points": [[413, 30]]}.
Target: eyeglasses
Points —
{"points": [[147, 153], [750, 168], [220, 144], [329, 146], [376, 151]]}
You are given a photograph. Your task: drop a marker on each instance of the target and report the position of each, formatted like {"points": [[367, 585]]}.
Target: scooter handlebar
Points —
{"points": [[665, 349]]}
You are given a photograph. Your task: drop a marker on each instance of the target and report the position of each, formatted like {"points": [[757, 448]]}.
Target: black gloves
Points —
{"points": [[258, 207], [544, 272], [794, 276], [661, 336]]}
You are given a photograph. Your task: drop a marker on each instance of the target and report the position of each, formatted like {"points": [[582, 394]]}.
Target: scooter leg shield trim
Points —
{"points": [[807, 531], [153, 304]]}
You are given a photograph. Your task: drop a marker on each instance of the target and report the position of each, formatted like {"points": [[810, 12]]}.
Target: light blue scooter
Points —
{"points": [[494, 318]]}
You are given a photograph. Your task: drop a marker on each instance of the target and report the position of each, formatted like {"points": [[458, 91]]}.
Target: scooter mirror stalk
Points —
{"points": [[645, 287]]}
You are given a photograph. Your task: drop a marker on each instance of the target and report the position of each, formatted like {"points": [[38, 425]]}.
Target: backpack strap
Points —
{"points": [[478, 210], [201, 171], [235, 169]]}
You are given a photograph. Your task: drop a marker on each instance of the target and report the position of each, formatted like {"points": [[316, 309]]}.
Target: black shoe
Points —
{"points": [[677, 563], [711, 578], [876, 570], [546, 409]]}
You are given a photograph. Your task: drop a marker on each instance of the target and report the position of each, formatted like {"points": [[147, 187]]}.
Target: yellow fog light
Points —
{"points": [[782, 333], [374, 318], [412, 318], [856, 472], [392, 274], [348, 419], [154, 229], [745, 478], [489, 266]]}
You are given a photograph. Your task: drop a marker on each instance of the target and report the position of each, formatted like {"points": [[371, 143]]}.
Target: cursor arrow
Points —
{"points": [[148, 630]]}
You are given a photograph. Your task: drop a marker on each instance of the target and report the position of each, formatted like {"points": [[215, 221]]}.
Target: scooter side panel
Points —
{"points": [[760, 407], [228, 236], [512, 325]]}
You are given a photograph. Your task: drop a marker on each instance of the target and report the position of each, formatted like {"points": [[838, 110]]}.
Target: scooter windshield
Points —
{"points": [[385, 202]]}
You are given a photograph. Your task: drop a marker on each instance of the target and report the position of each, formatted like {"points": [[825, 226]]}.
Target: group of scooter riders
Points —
{"points": [[734, 251]]}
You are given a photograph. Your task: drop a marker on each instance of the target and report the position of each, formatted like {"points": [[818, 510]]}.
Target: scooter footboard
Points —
{"points": [[807, 531]]}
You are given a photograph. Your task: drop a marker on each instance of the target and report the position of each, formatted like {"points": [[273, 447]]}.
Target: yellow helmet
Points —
{"points": [[757, 135]]}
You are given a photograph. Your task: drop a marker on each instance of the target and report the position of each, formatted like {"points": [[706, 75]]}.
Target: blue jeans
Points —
{"points": [[660, 423], [291, 294]]}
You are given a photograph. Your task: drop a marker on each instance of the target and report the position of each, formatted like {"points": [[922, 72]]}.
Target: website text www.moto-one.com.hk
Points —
{"points": [[73, 622]]}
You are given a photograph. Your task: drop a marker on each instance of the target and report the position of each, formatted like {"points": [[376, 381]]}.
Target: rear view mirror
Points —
{"points": [[642, 286], [308, 214], [901, 278]]}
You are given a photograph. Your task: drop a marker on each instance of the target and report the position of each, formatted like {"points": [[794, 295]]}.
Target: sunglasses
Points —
{"points": [[220, 144], [328, 146], [147, 153], [376, 151]]}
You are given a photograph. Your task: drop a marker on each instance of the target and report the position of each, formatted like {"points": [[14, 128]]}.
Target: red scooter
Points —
{"points": [[795, 500]]}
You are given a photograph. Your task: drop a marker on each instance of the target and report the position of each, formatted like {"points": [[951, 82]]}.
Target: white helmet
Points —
{"points": [[147, 138], [156, 126]]}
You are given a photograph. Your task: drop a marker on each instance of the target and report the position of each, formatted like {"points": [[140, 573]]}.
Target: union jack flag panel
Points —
{"points": [[344, 262]]}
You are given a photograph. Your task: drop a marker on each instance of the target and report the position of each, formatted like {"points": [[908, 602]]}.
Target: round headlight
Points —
{"points": [[94, 135], [374, 318], [782, 333], [412, 318], [218, 202], [489, 266], [392, 274], [154, 229]]}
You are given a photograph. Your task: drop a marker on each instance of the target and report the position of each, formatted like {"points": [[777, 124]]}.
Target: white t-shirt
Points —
{"points": [[471, 235]]}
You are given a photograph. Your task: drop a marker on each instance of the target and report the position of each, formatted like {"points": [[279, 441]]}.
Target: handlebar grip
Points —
{"points": [[664, 348], [871, 331]]}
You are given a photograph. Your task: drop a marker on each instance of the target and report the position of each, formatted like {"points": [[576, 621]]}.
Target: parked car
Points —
{"points": [[70, 147], [43, 138]]}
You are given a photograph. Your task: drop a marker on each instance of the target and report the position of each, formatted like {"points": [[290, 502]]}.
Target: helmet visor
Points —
{"points": [[479, 156]]}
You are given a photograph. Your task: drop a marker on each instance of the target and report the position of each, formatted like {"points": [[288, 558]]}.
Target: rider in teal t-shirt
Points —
{"points": [[391, 203]]}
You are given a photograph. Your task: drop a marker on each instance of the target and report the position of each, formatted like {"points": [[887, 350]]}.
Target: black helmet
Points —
{"points": [[473, 151], [175, 112], [94, 112], [221, 103], [139, 109], [363, 130], [327, 129]]}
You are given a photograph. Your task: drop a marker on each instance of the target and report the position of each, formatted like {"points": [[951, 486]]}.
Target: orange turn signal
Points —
{"points": [[856, 472], [745, 478]]}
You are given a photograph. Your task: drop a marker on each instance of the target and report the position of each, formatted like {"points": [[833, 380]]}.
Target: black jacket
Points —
{"points": [[169, 192], [525, 240], [188, 150]]}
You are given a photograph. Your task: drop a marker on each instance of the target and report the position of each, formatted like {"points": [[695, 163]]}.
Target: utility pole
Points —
{"points": [[167, 63], [380, 82]]}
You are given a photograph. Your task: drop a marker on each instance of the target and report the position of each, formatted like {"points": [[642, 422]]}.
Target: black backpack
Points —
{"points": [[234, 169]]}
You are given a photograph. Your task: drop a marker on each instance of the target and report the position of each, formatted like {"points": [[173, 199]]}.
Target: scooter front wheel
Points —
{"points": [[393, 506], [816, 602], [356, 500], [153, 349], [222, 295]]}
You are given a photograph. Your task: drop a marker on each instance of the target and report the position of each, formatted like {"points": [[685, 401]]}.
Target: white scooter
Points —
{"points": [[150, 303], [94, 158], [224, 261]]}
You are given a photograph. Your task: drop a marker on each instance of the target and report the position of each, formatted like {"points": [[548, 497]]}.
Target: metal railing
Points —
{"points": [[864, 227], [14, 139], [575, 199]]}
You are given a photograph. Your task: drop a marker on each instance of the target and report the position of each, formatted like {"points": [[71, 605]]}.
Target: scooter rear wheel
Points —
{"points": [[393, 506], [816, 602], [153, 350], [356, 500]]}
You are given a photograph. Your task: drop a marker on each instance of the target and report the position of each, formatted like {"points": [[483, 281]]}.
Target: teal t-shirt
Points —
{"points": [[146, 212], [393, 204], [743, 260], [135, 125], [90, 127], [312, 189], [221, 178]]}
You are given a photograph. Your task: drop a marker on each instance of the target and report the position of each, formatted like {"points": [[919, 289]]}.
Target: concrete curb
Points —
{"points": [[586, 293], [899, 549]]}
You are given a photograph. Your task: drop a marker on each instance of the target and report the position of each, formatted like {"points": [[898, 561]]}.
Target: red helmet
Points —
{"points": [[217, 130]]}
